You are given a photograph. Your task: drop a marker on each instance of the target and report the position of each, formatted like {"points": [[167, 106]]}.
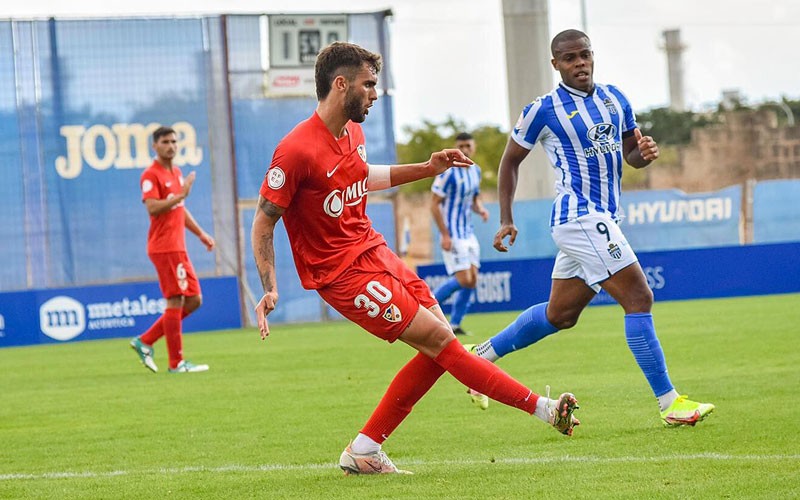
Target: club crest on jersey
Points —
{"points": [[362, 152], [276, 178], [392, 314], [610, 105], [614, 251]]}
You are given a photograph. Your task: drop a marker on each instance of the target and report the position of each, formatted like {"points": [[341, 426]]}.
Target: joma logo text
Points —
{"points": [[124, 145]]}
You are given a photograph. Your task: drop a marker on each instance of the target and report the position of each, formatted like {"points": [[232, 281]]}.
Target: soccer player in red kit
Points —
{"points": [[164, 190], [318, 182]]}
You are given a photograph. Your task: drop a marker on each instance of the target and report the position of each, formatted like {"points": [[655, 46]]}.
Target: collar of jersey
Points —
{"points": [[579, 93], [316, 120]]}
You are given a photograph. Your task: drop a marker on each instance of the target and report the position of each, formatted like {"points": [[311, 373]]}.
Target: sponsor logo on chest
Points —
{"points": [[351, 196], [604, 138]]}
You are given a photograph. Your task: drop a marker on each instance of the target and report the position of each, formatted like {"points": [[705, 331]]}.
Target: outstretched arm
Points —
{"points": [[384, 176], [506, 187], [262, 237]]}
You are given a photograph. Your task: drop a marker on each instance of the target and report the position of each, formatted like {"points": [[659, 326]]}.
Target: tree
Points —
{"points": [[785, 108], [489, 139], [673, 127]]}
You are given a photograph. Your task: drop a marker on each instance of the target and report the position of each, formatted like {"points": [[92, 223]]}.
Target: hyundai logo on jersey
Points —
{"points": [[602, 132]]}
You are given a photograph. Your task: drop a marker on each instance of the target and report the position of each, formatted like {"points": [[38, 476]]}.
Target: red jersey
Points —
{"points": [[321, 182], [167, 233]]}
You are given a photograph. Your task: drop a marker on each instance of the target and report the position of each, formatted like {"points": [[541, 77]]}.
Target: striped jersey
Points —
{"points": [[459, 187], [582, 136]]}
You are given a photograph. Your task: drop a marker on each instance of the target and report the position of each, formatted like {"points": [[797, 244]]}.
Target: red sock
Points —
{"points": [[485, 377], [156, 331], [153, 333], [408, 386], [172, 330]]}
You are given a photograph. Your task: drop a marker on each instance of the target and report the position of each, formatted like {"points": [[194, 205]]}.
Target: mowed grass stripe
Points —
{"points": [[412, 462]]}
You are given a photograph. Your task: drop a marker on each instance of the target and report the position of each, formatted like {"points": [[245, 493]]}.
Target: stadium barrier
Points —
{"points": [[101, 312], [776, 218], [734, 271], [654, 220]]}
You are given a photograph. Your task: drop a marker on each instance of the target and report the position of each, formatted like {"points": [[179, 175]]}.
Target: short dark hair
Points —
{"points": [[567, 36], [341, 58], [464, 136], [161, 132]]}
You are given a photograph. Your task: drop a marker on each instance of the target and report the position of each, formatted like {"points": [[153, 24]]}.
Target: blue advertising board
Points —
{"points": [[776, 214], [110, 311], [651, 220], [671, 219], [672, 275]]}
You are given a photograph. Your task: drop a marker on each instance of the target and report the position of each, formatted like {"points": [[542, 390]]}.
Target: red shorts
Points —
{"points": [[175, 274], [379, 293]]}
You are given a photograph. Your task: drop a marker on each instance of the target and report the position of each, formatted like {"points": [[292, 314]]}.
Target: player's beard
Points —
{"points": [[353, 108]]}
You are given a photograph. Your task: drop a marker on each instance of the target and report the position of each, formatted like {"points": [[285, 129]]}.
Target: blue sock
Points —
{"points": [[461, 305], [446, 289], [643, 343], [530, 327]]}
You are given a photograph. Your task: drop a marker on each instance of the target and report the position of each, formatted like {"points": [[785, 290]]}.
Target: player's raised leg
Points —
{"points": [[432, 337], [364, 455], [528, 328]]}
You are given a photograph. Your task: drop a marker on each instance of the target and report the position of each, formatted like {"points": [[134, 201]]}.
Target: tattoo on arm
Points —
{"points": [[263, 244], [270, 209], [266, 254]]}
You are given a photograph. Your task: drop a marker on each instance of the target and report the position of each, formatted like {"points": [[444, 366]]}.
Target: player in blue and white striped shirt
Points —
{"points": [[586, 129], [456, 194]]}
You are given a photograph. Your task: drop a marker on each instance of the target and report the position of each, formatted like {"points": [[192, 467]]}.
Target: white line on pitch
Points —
{"points": [[468, 462]]}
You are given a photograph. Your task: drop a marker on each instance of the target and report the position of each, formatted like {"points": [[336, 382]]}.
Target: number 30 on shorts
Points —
{"points": [[379, 293]]}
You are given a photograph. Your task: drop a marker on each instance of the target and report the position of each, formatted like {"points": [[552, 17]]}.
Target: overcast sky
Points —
{"points": [[731, 44]]}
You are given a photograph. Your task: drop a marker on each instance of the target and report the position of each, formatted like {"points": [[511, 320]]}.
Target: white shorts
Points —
{"points": [[591, 248], [465, 253]]}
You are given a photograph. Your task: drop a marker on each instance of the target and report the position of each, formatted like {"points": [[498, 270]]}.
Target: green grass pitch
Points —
{"points": [[269, 420]]}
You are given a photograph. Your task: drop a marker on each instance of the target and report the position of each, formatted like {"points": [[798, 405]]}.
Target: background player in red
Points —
{"points": [[164, 190], [318, 182]]}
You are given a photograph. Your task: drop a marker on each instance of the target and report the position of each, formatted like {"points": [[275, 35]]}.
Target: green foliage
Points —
{"points": [[490, 142], [794, 106], [673, 127], [784, 109], [86, 420]]}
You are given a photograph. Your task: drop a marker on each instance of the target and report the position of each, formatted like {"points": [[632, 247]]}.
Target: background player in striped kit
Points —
{"points": [[456, 194], [586, 129]]}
